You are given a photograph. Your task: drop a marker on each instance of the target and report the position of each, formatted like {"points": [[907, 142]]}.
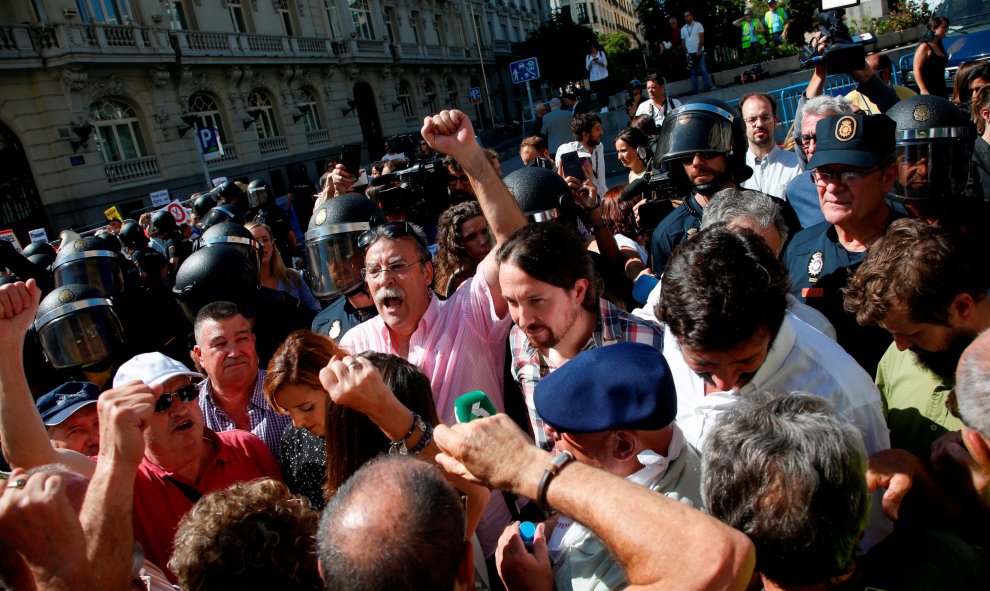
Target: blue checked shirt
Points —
{"points": [[266, 423], [613, 326]]}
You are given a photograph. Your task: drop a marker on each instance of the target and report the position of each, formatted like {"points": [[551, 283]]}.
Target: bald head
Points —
{"points": [[973, 384], [395, 524]]}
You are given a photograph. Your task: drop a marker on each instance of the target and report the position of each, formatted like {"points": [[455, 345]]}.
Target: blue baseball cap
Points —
{"points": [[853, 140], [620, 386], [60, 403]]}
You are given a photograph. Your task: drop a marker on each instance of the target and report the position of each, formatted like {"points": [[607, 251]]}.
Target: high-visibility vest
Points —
{"points": [[768, 17], [747, 34]]}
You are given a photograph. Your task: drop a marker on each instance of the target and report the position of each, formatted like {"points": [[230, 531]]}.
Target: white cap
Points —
{"points": [[152, 369]]}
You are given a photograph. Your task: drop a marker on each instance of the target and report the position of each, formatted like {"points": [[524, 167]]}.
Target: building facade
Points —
{"points": [[102, 97], [603, 16]]}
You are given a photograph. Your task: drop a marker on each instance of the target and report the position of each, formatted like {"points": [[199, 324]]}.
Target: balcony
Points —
{"points": [[273, 145], [136, 169], [318, 137], [229, 157]]}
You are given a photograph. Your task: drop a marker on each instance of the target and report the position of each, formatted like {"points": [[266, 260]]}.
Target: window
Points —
{"points": [[118, 135], [265, 123], [361, 17], [582, 14], [430, 102], [459, 33], [110, 12], [406, 101], [414, 24], [391, 24], [334, 17], [175, 15], [204, 107], [236, 16], [438, 27], [307, 104], [283, 10]]}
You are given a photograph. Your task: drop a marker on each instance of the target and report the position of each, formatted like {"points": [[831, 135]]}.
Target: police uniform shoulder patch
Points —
{"points": [[334, 331], [845, 128], [815, 264], [922, 113], [321, 217]]}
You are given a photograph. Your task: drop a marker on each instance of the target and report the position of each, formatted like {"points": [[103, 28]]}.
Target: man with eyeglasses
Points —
{"points": [[772, 167], [854, 169], [152, 393]]}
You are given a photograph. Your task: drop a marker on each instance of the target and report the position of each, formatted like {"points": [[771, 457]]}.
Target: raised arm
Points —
{"points": [[25, 440], [661, 543]]}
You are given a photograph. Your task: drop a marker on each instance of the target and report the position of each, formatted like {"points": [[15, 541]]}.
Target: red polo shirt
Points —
{"points": [[160, 500]]}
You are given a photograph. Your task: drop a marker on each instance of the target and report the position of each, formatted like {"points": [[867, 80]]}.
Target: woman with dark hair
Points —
{"points": [[930, 59], [627, 148], [274, 274], [620, 217], [463, 241], [980, 169]]}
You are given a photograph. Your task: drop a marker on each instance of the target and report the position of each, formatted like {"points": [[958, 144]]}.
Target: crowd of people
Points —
{"points": [[751, 366]]}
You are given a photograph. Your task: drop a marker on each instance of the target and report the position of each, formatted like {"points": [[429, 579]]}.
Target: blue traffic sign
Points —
{"points": [[524, 70], [209, 143], [475, 94]]}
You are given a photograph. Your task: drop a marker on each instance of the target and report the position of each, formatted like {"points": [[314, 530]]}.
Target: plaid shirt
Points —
{"points": [[266, 422], [612, 326]]}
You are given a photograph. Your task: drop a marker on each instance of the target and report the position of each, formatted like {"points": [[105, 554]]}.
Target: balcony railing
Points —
{"points": [[125, 171], [318, 137], [273, 145], [229, 157]]}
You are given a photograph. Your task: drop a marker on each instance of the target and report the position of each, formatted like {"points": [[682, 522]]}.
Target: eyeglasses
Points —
{"points": [[391, 230], [807, 138], [762, 119], [186, 393], [400, 270], [848, 178]]}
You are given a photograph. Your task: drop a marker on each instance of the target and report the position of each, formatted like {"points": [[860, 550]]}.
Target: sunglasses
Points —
{"points": [[390, 230], [186, 393]]}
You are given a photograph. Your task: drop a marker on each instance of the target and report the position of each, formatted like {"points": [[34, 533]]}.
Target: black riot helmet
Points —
{"points": [[162, 223], [708, 127], [235, 236], [77, 327], [230, 194], [39, 248], [934, 147], [42, 260], [203, 204], [259, 193], [217, 273], [542, 194], [223, 213], [332, 251], [132, 235], [89, 261], [110, 238]]}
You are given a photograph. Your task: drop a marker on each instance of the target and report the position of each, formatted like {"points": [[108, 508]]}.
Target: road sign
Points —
{"points": [[209, 143], [475, 94], [524, 70]]}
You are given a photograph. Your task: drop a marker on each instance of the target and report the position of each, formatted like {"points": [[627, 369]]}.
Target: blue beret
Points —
{"points": [[60, 403], [620, 386]]}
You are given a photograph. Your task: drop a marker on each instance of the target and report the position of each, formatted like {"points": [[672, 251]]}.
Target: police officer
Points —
{"points": [[201, 206], [177, 247], [335, 262], [703, 147], [152, 266], [264, 210], [854, 167]]}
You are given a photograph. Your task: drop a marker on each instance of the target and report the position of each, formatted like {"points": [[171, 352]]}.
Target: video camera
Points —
{"points": [[414, 187], [841, 54], [659, 190]]}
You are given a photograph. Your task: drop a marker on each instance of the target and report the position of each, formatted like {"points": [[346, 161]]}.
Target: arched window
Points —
{"points": [[203, 106], [307, 104], [265, 123], [118, 135]]}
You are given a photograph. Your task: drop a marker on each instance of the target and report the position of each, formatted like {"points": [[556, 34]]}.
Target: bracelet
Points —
{"points": [[424, 440], [399, 447], [552, 469]]}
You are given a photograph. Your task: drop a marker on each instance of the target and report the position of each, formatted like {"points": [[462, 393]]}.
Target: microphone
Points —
{"points": [[473, 405], [635, 189]]}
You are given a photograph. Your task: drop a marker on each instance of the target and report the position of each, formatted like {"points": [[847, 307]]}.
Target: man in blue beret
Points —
{"points": [[854, 168], [612, 408], [69, 414]]}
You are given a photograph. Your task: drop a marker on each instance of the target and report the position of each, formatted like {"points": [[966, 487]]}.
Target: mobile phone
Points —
{"points": [[350, 157], [571, 163]]}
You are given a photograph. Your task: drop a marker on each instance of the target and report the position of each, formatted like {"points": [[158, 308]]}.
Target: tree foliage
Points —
{"points": [[560, 46]]}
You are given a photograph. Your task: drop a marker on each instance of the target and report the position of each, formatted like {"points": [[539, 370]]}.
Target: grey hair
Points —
{"points": [[822, 106], [730, 205], [555, 103], [787, 471], [973, 385]]}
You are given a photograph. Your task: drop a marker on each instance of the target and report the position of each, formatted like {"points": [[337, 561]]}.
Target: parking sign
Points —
{"points": [[209, 143]]}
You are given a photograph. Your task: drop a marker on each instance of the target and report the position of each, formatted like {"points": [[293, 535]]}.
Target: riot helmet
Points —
{"points": [[708, 127], [542, 194], [42, 260], [77, 327], [132, 235], [89, 261], [203, 204], [335, 261], [215, 274], [934, 147], [235, 236], [223, 213], [110, 238], [39, 248], [229, 193], [258, 193], [162, 223]]}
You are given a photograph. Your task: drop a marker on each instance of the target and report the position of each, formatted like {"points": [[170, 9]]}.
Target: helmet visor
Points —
{"points": [[82, 337], [335, 263], [101, 272], [247, 246], [687, 132], [257, 196], [936, 169]]}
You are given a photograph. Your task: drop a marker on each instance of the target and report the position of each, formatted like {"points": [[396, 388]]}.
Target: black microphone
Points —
{"points": [[635, 189]]}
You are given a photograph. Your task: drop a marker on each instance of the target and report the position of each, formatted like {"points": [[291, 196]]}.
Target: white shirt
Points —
{"points": [[800, 359], [597, 163], [691, 34], [658, 113], [772, 173], [596, 71]]}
